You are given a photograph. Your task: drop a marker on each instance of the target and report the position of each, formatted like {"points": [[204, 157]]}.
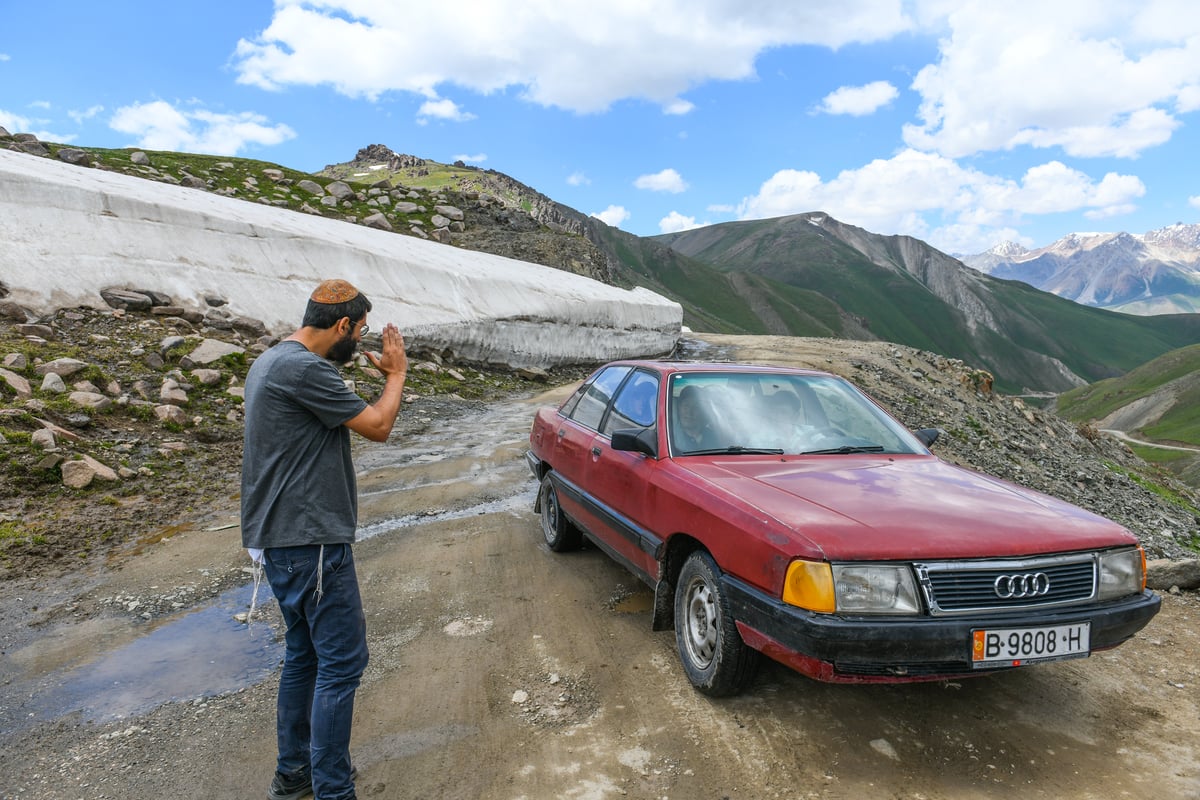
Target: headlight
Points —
{"points": [[851, 588], [875, 589], [1122, 573]]}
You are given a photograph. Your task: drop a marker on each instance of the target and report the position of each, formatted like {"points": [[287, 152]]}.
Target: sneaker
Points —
{"points": [[283, 788]]}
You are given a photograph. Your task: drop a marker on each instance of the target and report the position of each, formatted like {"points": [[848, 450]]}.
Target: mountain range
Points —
{"points": [[1151, 273], [802, 275]]}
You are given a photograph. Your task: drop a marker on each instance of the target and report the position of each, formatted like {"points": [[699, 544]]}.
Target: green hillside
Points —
{"points": [[901, 290]]}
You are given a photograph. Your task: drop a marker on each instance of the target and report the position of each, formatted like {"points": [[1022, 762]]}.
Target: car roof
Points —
{"points": [[669, 367]]}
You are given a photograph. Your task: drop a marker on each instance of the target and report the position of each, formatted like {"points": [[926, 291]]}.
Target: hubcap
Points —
{"points": [[701, 621]]}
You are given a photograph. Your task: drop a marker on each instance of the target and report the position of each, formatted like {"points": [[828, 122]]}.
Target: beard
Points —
{"points": [[343, 350]]}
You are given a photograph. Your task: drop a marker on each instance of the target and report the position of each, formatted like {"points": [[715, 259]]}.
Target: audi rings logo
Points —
{"points": [[1031, 584]]}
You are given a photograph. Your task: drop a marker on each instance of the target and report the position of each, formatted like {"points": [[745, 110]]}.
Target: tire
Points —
{"points": [[559, 532], [716, 660]]}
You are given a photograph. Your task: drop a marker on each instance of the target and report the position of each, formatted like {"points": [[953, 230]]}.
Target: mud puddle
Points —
{"points": [[193, 655]]}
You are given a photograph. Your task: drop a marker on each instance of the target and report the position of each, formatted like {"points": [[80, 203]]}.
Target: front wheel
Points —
{"points": [[716, 660], [559, 532]]}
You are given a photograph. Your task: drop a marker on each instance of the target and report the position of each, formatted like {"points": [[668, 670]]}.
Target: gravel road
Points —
{"points": [[502, 670]]}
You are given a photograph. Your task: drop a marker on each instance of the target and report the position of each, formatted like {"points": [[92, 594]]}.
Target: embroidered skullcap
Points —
{"points": [[334, 292]]}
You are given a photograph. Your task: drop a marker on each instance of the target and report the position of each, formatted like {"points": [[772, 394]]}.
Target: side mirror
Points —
{"points": [[927, 436], [637, 440]]}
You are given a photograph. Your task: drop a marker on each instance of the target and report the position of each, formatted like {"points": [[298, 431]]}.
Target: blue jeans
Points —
{"points": [[324, 660]]}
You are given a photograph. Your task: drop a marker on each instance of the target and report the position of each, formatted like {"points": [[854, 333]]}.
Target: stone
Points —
{"points": [[378, 221], [340, 190], [126, 300], [211, 350], [44, 439], [80, 473], [139, 158], [207, 377], [16, 361], [1163, 573], [18, 384], [449, 211], [92, 400], [170, 413], [64, 367], [312, 187], [54, 384]]}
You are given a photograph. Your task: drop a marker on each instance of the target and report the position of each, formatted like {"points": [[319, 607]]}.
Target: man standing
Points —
{"points": [[299, 514]]}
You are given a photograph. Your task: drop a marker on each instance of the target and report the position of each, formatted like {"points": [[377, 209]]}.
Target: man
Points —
{"points": [[299, 515]]}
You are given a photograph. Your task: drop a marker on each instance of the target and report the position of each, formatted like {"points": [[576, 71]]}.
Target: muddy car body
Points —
{"points": [[792, 516]]}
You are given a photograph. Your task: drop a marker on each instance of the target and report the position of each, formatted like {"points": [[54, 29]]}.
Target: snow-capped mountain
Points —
{"points": [[1151, 273]]}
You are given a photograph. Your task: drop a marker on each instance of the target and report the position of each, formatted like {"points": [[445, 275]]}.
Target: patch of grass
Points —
{"points": [[1154, 487]]}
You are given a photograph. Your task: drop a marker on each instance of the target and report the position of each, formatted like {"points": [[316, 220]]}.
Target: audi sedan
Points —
{"points": [[783, 512]]}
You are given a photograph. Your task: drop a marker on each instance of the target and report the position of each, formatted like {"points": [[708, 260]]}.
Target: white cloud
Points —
{"points": [[578, 179], [666, 181], [5, 57], [679, 107], [722, 208], [1092, 78], [1194, 201], [859, 101], [82, 116], [442, 109], [1188, 99], [613, 215], [17, 123], [43, 105], [574, 54], [160, 126], [478, 158], [675, 222], [930, 196]]}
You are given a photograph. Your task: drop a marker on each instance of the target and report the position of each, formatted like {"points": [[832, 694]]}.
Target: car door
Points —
{"points": [[621, 482], [570, 454]]}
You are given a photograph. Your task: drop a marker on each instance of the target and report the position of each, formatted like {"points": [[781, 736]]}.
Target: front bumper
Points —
{"points": [[846, 648]]}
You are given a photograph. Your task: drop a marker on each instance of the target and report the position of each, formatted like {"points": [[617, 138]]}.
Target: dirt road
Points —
{"points": [[502, 670]]}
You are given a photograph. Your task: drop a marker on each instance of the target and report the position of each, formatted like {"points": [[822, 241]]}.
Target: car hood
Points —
{"points": [[899, 507]]}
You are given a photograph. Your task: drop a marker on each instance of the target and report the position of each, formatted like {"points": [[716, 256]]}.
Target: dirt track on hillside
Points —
{"points": [[502, 670]]}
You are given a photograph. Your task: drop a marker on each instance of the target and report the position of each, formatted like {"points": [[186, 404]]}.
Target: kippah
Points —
{"points": [[333, 292]]}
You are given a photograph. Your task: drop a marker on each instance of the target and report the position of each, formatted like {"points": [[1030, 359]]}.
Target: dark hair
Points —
{"points": [[326, 315]]}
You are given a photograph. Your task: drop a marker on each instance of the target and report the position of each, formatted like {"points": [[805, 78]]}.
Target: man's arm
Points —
{"points": [[376, 420]]}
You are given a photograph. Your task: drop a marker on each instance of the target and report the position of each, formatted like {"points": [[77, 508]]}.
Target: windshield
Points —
{"points": [[768, 412]]}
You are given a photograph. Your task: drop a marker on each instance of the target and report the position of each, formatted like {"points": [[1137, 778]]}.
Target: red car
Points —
{"points": [[782, 511]]}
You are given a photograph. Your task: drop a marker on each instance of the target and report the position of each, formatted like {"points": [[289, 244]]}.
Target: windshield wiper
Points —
{"points": [[845, 450], [737, 449]]}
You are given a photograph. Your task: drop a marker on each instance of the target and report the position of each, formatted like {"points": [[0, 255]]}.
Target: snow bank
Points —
{"points": [[67, 232]]}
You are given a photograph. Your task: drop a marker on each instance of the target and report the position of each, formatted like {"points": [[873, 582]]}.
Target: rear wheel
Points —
{"points": [[715, 658], [560, 534]]}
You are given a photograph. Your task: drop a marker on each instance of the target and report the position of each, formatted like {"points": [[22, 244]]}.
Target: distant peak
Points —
{"points": [[1008, 249]]}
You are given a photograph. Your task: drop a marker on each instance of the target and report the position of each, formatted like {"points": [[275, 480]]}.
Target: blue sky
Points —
{"points": [[961, 123]]}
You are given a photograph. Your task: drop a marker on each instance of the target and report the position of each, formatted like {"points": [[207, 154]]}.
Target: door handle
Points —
{"points": [[596, 451]]}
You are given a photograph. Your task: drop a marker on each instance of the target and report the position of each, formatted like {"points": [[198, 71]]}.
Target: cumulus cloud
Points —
{"points": [[478, 158], [859, 101], [158, 125], [666, 181], [1194, 201], [935, 198], [578, 179], [1092, 78], [442, 109], [613, 215], [676, 222], [573, 54]]}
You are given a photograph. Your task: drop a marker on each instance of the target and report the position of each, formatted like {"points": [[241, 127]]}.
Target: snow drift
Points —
{"points": [[69, 232]]}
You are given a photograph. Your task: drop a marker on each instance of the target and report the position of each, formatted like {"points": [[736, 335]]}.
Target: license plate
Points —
{"points": [[1012, 647]]}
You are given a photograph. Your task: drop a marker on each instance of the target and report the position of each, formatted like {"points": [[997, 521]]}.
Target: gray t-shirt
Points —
{"points": [[298, 484]]}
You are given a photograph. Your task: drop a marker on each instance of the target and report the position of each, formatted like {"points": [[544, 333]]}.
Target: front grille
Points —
{"points": [[954, 587]]}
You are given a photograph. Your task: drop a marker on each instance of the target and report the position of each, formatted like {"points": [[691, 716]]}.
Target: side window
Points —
{"points": [[636, 405], [594, 397]]}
